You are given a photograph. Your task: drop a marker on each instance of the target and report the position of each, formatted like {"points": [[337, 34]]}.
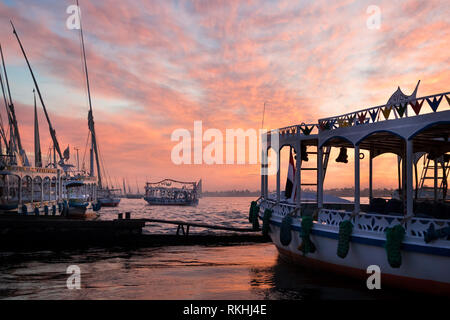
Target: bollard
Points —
{"points": [[120, 216], [127, 215]]}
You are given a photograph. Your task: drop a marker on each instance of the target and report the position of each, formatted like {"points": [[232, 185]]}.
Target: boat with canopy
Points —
{"points": [[172, 192], [407, 236]]}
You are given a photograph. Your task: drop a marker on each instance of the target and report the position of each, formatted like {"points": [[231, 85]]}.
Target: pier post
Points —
{"points": [[409, 178], [357, 181], [320, 177]]}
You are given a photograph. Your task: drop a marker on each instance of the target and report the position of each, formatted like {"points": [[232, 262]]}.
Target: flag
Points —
{"points": [[67, 153], [290, 181]]}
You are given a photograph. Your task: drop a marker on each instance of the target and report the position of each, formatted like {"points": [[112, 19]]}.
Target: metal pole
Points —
{"points": [[409, 178], [357, 181], [320, 177], [298, 175]]}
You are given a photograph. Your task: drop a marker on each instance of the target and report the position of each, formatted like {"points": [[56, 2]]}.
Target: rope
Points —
{"points": [[285, 230], [345, 231], [394, 238], [307, 246]]}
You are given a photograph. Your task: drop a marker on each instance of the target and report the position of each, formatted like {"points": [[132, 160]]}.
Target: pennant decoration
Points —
{"points": [[351, 119], [374, 114], [386, 112], [343, 123], [435, 104], [401, 108], [417, 106], [448, 100], [362, 117], [321, 126], [307, 131]]}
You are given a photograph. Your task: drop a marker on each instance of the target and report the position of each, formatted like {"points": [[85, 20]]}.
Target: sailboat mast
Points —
{"points": [[52, 131], [90, 115], [37, 141], [11, 112], [7, 111]]}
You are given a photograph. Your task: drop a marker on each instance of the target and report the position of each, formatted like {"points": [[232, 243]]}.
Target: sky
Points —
{"points": [[156, 66]]}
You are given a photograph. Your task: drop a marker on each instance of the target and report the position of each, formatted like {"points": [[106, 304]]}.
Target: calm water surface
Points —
{"points": [[247, 271]]}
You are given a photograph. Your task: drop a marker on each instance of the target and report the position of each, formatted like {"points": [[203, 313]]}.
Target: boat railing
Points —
{"points": [[377, 223], [406, 109]]}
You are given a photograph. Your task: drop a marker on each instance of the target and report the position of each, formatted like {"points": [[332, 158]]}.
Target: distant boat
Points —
{"points": [[108, 197], [129, 194], [172, 192]]}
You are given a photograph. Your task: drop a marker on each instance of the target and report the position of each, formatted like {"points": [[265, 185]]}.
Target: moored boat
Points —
{"points": [[407, 238], [171, 192]]}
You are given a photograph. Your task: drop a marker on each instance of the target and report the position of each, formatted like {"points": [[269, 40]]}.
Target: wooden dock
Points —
{"points": [[57, 232], [185, 231]]}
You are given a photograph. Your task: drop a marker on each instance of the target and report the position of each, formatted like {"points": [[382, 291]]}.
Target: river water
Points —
{"points": [[246, 271]]}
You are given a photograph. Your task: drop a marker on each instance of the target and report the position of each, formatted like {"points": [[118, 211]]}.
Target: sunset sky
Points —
{"points": [[156, 66]]}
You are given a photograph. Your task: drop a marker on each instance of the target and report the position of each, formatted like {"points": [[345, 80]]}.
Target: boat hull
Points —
{"points": [[81, 210], [424, 268], [170, 202], [109, 202]]}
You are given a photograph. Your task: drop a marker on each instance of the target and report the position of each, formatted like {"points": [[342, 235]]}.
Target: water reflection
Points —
{"points": [[187, 272]]}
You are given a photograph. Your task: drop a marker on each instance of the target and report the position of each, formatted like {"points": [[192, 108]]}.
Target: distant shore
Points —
{"points": [[338, 192]]}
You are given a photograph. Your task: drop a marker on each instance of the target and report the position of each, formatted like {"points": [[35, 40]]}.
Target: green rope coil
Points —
{"points": [[307, 246], [394, 239], [345, 231], [253, 215], [266, 222], [285, 230]]}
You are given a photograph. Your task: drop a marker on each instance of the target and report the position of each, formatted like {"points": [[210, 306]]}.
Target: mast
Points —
{"points": [[37, 141], [124, 187], [7, 111], [52, 131], [12, 116], [90, 114]]}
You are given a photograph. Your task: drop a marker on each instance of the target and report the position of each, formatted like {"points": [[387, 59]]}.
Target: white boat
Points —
{"points": [[409, 239]]}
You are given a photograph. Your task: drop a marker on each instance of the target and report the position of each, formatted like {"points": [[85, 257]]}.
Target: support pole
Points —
{"points": [[370, 176], [278, 177], [357, 208], [320, 177], [298, 174], [409, 178], [435, 180]]}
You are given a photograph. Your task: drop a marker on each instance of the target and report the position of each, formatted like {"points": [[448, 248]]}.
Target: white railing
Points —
{"points": [[377, 223], [280, 209]]}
